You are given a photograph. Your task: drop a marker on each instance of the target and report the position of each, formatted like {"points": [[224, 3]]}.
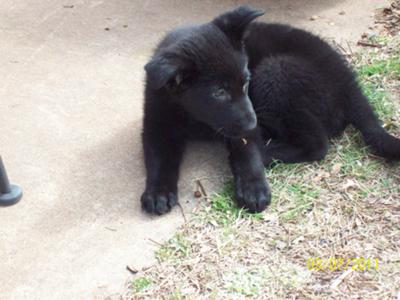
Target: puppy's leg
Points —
{"points": [[163, 151], [304, 140], [251, 187], [288, 153]]}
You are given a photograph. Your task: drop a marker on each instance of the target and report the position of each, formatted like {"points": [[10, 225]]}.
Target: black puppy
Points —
{"points": [[198, 86]]}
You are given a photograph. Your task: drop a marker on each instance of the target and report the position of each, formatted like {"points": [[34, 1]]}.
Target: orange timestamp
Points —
{"points": [[342, 264]]}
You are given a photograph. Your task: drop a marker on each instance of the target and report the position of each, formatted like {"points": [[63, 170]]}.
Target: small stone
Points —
{"points": [[313, 18]]}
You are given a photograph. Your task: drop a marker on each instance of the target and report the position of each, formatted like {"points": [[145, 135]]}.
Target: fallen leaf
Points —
{"points": [[336, 169], [321, 175], [349, 184]]}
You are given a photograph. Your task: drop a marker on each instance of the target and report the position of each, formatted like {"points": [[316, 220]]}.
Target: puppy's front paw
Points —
{"points": [[158, 202], [253, 194]]}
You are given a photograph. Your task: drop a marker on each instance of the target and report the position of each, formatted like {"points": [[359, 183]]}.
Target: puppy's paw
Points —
{"points": [[158, 202], [253, 195]]}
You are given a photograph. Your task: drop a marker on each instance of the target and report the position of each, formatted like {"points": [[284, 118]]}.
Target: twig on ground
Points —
{"points": [[132, 270], [340, 279], [183, 213], [155, 242], [110, 229], [366, 44], [202, 189]]}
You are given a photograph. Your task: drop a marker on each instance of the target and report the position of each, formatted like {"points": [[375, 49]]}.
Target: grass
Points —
{"points": [[224, 211], [140, 284], [371, 75], [375, 70], [381, 67], [346, 206], [176, 248]]}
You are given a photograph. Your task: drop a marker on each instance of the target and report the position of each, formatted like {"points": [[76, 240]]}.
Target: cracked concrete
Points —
{"points": [[70, 116]]}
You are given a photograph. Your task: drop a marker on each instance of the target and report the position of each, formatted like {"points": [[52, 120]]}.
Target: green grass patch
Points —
{"points": [[244, 282], [372, 73], [140, 284], [390, 68], [224, 209], [303, 196], [351, 152], [378, 99], [175, 249]]}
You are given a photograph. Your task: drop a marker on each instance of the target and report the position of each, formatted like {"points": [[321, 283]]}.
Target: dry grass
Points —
{"points": [[346, 206]]}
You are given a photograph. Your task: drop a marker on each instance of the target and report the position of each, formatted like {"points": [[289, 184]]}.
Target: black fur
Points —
{"points": [[301, 93]]}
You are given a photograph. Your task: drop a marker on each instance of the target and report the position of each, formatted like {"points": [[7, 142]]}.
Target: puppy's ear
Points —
{"points": [[162, 70], [234, 23]]}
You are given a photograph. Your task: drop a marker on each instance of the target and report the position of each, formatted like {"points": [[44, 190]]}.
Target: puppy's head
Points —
{"points": [[206, 72]]}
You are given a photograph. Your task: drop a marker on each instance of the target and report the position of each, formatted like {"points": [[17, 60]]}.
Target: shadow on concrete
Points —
{"points": [[108, 175]]}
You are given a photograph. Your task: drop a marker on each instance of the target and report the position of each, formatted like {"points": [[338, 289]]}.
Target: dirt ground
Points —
{"points": [[71, 107]]}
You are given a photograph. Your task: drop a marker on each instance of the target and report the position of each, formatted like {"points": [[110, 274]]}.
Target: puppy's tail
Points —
{"points": [[361, 115]]}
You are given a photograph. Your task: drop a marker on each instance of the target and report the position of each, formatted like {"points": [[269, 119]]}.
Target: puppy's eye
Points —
{"points": [[220, 94]]}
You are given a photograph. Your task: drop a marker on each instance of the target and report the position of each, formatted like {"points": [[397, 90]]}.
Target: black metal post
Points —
{"points": [[9, 193]]}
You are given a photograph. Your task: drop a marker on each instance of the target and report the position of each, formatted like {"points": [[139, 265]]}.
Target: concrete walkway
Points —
{"points": [[71, 83]]}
